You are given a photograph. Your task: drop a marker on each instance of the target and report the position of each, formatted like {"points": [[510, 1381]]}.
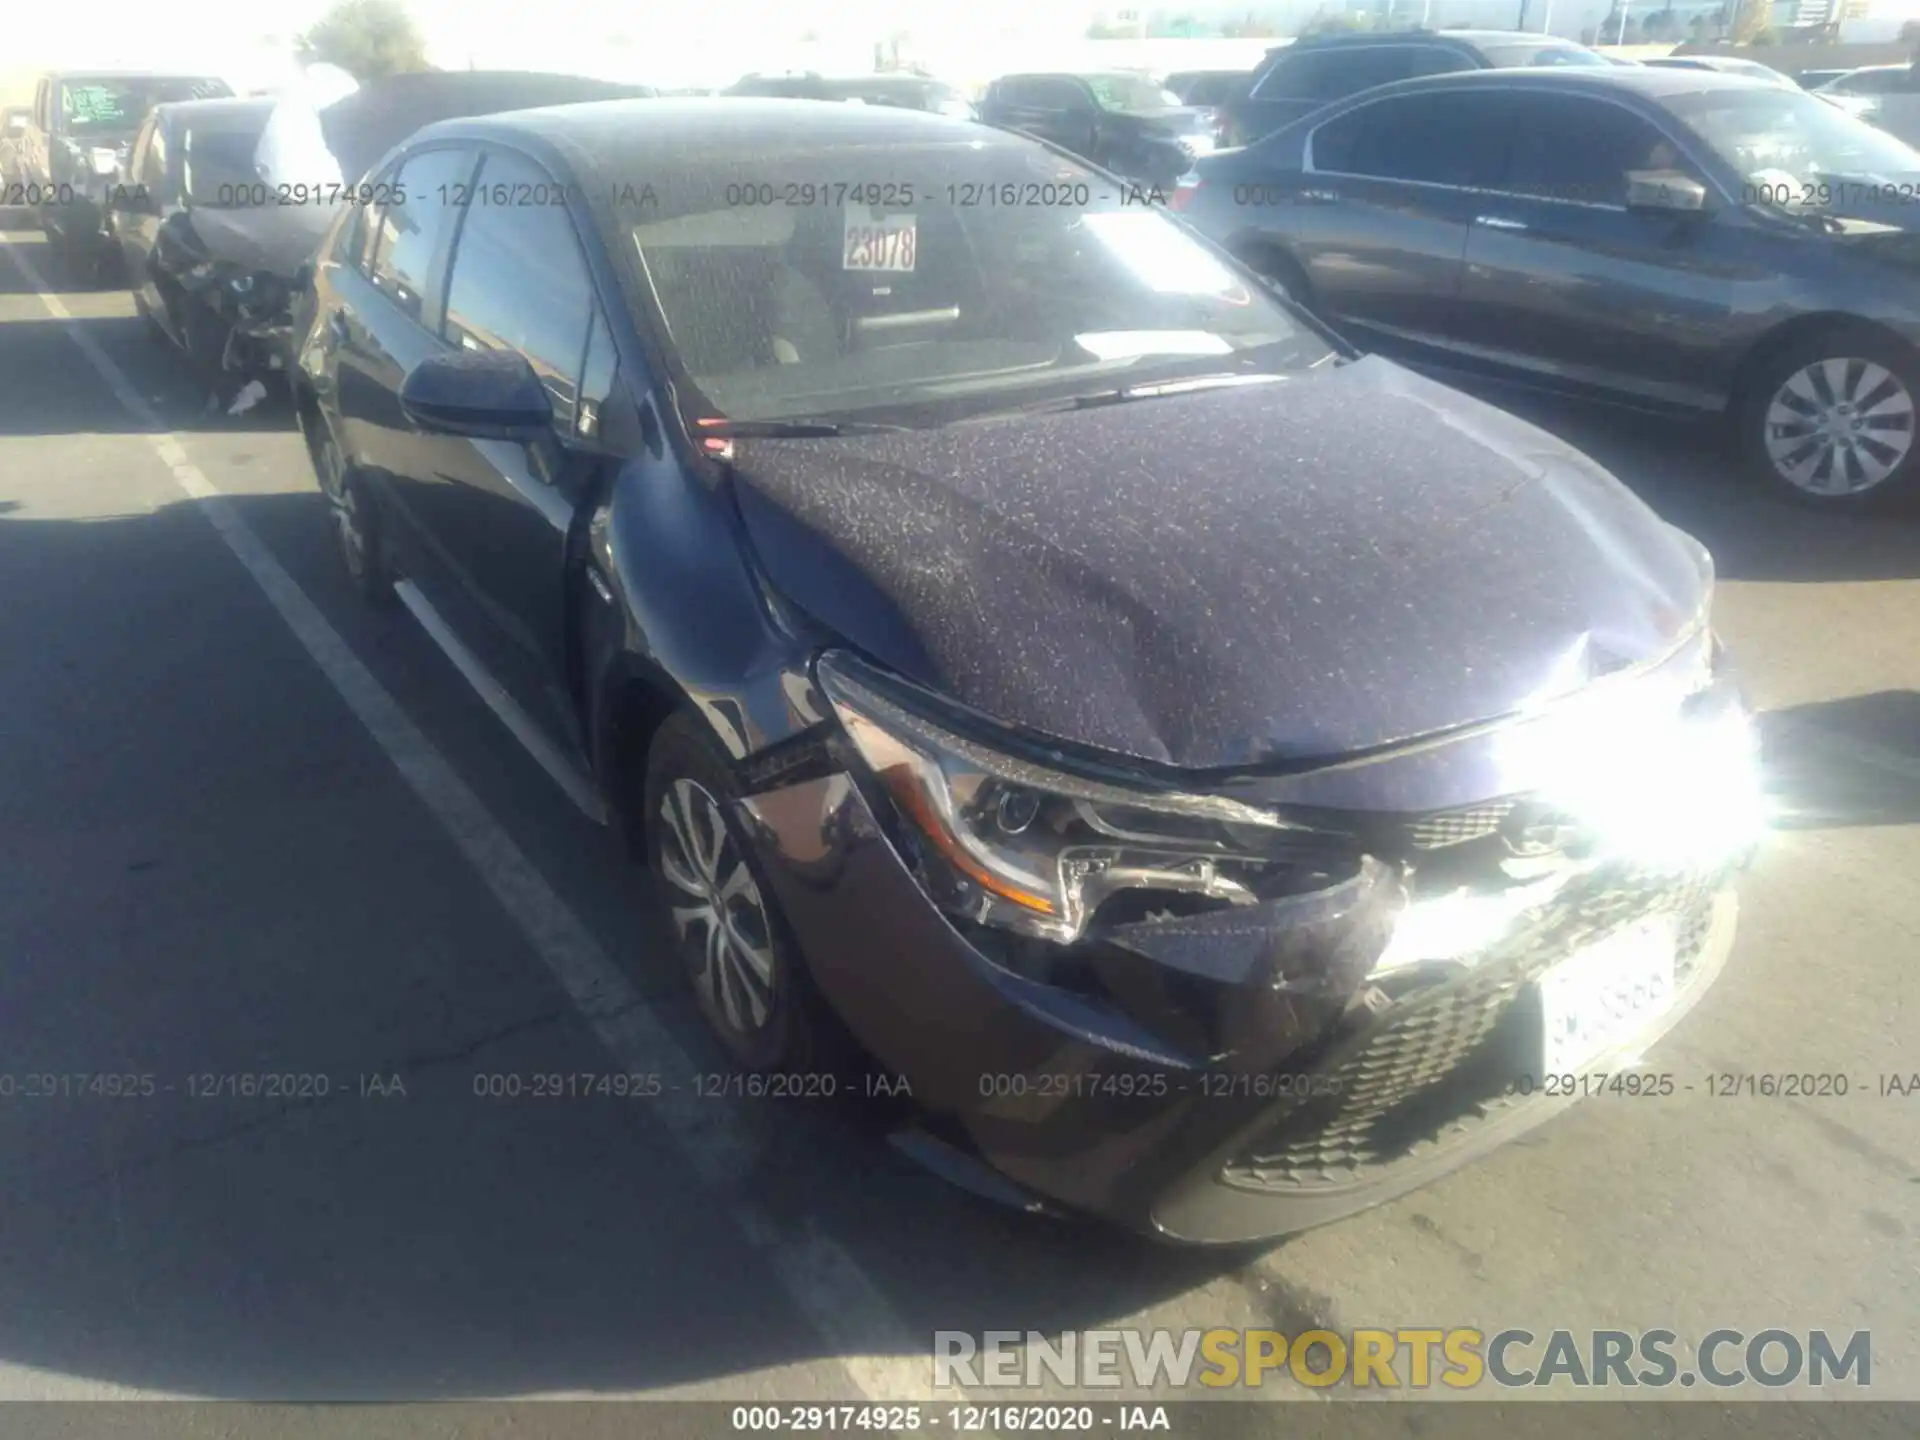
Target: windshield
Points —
{"points": [[118, 104], [1887, 81], [1131, 92], [1783, 141], [219, 165], [1514, 57], [989, 279]]}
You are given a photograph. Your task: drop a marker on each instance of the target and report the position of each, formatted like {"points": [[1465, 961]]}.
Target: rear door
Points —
{"points": [[390, 327], [1381, 216], [1563, 280], [494, 521]]}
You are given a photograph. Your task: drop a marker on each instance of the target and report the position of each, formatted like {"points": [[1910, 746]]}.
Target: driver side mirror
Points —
{"points": [[1670, 191], [481, 394]]}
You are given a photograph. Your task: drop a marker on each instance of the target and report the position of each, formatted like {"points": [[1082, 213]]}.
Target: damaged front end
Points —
{"points": [[1221, 1007], [255, 309]]}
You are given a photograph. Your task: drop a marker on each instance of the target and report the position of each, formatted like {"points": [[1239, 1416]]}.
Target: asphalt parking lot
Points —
{"points": [[248, 826]]}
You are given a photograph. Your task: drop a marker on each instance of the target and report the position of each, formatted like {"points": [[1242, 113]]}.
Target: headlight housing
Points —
{"points": [[1035, 848]]}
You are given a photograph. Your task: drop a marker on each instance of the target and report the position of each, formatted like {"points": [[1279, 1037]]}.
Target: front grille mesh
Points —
{"points": [[1442, 1058], [1447, 828]]}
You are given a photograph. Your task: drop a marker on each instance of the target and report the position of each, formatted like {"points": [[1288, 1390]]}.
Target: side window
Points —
{"points": [[1457, 139], [597, 377], [519, 282], [145, 173], [411, 228], [350, 240], [1567, 147], [153, 171], [1066, 96], [1336, 74]]}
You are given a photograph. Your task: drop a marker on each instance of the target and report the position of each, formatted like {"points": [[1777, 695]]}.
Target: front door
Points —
{"points": [[1564, 281]]}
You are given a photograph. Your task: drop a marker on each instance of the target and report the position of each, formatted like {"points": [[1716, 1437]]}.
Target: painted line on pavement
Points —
{"points": [[822, 1279]]}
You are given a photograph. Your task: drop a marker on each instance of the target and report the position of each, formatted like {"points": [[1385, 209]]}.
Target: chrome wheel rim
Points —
{"points": [[717, 907], [1839, 427]]}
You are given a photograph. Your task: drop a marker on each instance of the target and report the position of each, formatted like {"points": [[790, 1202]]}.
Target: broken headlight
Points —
{"points": [[1040, 850]]}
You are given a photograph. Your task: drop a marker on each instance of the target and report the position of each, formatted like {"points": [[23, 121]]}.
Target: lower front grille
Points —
{"points": [[1442, 1057]]}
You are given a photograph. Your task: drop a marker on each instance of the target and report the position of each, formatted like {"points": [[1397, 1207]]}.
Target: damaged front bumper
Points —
{"points": [[1244, 1057]]}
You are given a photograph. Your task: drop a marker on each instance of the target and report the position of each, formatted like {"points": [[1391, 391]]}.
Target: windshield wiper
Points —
{"points": [[1155, 390], [801, 428]]}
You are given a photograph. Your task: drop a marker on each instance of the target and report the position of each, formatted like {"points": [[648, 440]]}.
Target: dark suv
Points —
{"points": [[75, 143], [1297, 79], [1122, 122]]}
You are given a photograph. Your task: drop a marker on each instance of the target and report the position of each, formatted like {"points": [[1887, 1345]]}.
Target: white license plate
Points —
{"points": [[1603, 996], [870, 242]]}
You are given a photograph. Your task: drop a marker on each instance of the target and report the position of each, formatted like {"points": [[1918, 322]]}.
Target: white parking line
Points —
{"points": [[823, 1281]]}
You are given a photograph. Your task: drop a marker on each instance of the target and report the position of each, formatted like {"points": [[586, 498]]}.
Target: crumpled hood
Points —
{"points": [[1320, 565]]}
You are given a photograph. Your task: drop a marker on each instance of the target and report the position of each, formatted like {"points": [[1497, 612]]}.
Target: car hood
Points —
{"points": [[1322, 565]]}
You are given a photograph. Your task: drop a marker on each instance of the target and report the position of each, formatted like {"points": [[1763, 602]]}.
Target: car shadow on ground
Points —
{"points": [[436, 1246], [37, 369], [1686, 471], [1841, 763]]}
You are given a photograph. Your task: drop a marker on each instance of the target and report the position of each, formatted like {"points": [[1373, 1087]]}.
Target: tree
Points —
{"points": [[1749, 19], [368, 39]]}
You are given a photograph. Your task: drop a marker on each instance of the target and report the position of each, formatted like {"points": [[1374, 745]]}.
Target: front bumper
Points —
{"points": [[1252, 1074]]}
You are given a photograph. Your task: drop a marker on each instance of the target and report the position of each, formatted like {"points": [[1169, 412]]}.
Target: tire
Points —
{"points": [[1282, 268], [355, 521], [1801, 408], [746, 972], [149, 323]]}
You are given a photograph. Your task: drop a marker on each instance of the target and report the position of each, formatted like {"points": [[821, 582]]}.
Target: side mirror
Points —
{"points": [[1667, 190], [482, 394]]}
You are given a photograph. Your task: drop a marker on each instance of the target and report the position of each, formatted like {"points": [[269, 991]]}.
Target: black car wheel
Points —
{"points": [[355, 521], [747, 975], [1282, 269], [1830, 420]]}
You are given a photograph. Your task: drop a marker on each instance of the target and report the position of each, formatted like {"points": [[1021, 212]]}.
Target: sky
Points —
{"points": [[711, 42]]}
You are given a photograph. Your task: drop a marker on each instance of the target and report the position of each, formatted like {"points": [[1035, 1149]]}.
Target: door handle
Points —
{"points": [[1499, 222]]}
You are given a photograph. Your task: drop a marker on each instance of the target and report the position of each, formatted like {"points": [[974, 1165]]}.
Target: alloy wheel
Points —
{"points": [[718, 908], [1839, 427]]}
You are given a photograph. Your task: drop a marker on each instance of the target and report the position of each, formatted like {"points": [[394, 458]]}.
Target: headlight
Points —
{"points": [[1021, 844], [105, 161], [1670, 787]]}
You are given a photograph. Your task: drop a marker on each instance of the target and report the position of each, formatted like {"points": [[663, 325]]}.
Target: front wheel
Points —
{"points": [[1829, 422], [745, 969], [355, 521]]}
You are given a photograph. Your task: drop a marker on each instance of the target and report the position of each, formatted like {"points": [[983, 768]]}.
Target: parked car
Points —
{"points": [[1124, 123], [1297, 79], [13, 130], [189, 158], [246, 248], [76, 142], [1674, 238], [1217, 772], [1814, 79], [1209, 90], [1721, 64], [907, 92], [1871, 80]]}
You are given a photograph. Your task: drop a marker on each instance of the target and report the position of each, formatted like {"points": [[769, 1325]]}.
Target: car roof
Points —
{"points": [[241, 109], [624, 142], [1464, 37], [1653, 81], [131, 75]]}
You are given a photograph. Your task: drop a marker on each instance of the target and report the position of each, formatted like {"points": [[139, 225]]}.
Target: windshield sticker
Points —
{"points": [[94, 104], [884, 243]]}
